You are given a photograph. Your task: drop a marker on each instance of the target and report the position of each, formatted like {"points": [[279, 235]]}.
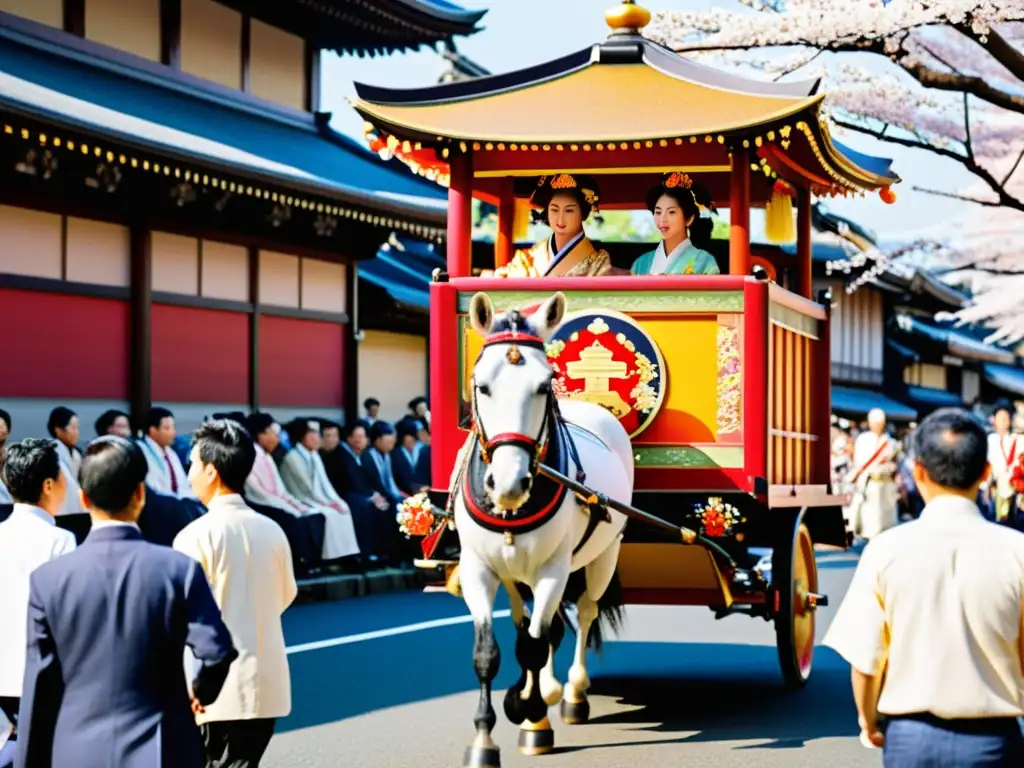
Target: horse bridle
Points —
{"points": [[535, 447]]}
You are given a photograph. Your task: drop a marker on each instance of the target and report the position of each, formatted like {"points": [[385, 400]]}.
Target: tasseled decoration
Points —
{"points": [[778, 215], [521, 220]]}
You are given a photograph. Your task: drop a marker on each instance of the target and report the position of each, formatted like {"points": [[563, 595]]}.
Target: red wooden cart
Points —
{"points": [[735, 443]]}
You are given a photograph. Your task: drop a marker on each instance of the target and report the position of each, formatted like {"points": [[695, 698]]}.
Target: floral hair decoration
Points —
{"points": [[568, 181]]}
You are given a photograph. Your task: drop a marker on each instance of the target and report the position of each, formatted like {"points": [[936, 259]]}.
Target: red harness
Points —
{"points": [[546, 496]]}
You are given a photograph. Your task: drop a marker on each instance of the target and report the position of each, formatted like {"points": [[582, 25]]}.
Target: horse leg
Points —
{"points": [[479, 587], [524, 703], [575, 705], [550, 688], [599, 575]]}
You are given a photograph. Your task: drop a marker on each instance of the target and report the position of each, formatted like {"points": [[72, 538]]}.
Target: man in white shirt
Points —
{"points": [[933, 622], [166, 475], [28, 538], [1004, 453], [248, 562]]}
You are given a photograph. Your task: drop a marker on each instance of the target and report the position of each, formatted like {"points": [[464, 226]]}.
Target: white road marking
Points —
{"points": [[389, 632]]}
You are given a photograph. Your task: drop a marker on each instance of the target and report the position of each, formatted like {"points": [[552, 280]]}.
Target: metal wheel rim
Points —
{"points": [[805, 579]]}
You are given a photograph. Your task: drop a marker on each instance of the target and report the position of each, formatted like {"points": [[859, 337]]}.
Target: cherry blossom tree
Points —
{"points": [[944, 77]]}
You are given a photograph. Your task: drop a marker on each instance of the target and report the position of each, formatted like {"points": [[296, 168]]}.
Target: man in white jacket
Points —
{"points": [[248, 563]]}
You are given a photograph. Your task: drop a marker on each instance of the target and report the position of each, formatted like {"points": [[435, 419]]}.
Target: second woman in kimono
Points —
{"points": [[566, 201], [676, 204]]}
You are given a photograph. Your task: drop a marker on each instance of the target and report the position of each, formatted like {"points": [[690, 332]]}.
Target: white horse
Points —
{"points": [[519, 529]]}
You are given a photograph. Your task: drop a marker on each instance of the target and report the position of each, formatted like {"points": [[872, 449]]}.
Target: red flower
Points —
{"points": [[715, 523]]}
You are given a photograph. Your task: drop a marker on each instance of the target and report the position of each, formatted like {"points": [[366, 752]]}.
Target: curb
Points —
{"points": [[348, 586]]}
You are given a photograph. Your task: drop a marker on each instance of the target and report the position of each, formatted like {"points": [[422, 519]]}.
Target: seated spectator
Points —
{"points": [[372, 407], [382, 477], [114, 422], [418, 410], [265, 486], [63, 428], [166, 473], [405, 457], [344, 466]]}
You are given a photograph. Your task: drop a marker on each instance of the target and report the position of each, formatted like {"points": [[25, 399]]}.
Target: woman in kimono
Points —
{"points": [[676, 204], [566, 201]]}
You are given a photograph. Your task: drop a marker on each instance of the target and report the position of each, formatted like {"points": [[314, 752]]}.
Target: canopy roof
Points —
{"points": [[130, 106], [356, 26], [627, 106]]}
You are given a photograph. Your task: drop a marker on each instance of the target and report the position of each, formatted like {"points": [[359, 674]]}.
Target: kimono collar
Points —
{"points": [[351, 453], [556, 258], [678, 251]]}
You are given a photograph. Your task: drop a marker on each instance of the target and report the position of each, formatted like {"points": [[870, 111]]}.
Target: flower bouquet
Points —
{"points": [[416, 516], [718, 518]]}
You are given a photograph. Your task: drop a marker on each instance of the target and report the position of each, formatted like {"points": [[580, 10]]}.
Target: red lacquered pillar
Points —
{"points": [[460, 213], [739, 213]]}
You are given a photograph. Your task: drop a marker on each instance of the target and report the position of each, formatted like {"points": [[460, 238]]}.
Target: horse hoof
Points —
{"points": [[482, 757], [536, 738], [575, 712]]}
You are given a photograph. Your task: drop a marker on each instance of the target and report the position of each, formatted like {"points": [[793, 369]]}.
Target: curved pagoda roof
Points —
{"points": [[626, 106], [358, 26]]}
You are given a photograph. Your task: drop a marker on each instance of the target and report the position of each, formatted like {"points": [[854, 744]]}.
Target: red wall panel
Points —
{"points": [[199, 355], [301, 362], [61, 346]]}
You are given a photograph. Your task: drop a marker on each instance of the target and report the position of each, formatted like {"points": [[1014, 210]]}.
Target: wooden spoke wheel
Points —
{"points": [[795, 590]]}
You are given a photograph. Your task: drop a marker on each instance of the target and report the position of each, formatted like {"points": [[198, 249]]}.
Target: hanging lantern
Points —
{"points": [[887, 195], [778, 215]]}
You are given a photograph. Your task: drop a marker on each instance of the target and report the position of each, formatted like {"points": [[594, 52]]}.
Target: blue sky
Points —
{"points": [[519, 33]]}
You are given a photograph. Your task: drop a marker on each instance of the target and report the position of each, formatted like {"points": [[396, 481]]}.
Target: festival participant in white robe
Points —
{"points": [[303, 470], [873, 477], [166, 475], [265, 486], [1004, 453], [63, 428]]}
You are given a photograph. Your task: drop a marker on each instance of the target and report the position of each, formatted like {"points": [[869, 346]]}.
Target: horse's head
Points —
{"points": [[512, 400]]}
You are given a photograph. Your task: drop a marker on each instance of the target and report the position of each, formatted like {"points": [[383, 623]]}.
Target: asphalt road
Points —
{"points": [[675, 688]]}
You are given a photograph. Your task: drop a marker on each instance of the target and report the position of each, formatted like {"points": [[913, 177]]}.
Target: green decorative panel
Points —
{"points": [[689, 456], [620, 301], [793, 320]]}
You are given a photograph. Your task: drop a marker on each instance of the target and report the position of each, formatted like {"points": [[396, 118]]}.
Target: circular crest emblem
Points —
{"points": [[605, 357]]}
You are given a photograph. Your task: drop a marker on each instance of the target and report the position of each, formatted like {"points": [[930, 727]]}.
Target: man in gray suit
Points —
{"points": [[107, 630]]}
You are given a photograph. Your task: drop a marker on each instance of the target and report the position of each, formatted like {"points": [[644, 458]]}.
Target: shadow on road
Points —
{"points": [[711, 692], [734, 693]]}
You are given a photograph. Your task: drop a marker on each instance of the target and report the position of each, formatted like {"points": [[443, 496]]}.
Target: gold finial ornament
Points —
{"points": [[627, 17]]}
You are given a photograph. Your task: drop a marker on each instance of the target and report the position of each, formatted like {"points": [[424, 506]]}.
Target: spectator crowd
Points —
{"points": [[333, 489], [136, 554]]}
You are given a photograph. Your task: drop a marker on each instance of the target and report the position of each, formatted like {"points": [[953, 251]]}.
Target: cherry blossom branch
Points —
{"points": [[1014, 168], [965, 198], [1005, 198], [999, 48]]}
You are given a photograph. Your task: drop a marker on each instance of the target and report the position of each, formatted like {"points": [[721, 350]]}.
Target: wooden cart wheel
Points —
{"points": [[795, 581]]}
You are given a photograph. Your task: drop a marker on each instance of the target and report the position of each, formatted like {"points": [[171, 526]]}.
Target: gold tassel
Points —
{"points": [[521, 220], [778, 219]]}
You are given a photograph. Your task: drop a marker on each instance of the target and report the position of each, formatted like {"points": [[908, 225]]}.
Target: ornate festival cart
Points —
{"points": [[723, 382]]}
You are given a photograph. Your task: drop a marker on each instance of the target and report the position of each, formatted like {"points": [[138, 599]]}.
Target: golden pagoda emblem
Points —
{"points": [[605, 357], [597, 368]]}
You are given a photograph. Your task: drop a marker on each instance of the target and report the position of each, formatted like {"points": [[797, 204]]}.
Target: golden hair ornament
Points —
{"points": [[563, 181], [677, 180]]}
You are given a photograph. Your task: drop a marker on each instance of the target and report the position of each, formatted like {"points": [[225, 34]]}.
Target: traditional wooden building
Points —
{"points": [[179, 225]]}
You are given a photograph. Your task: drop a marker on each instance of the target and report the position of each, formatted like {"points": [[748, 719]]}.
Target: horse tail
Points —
{"points": [[610, 612]]}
